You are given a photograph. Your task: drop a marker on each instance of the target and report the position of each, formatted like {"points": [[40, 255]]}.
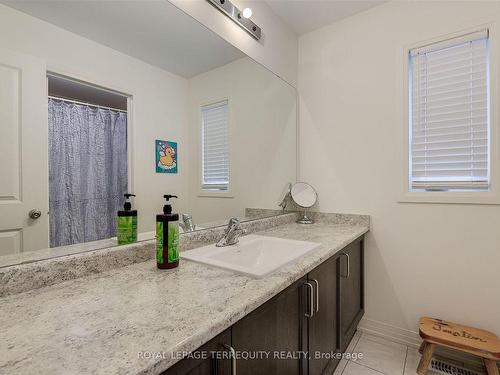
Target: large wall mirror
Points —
{"points": [[104, 98]]}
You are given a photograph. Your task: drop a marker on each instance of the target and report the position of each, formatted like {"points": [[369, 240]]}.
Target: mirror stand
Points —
{"points": [[304, 219]]}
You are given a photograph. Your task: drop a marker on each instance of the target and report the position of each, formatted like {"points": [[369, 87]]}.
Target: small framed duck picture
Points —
{"points": [[166, 156]]}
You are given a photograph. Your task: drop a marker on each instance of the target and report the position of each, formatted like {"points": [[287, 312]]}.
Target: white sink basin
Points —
{"points": [[254, 255]]}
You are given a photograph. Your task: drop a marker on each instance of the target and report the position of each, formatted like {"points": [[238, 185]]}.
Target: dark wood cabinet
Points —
{"points": [[350, 290], [276, 327], [323, 335], [205, 360], [318, 314]]}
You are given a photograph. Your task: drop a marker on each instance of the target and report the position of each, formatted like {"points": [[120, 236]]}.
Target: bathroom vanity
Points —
{"points": [[174, 110], [111, 318], [298, 331]]}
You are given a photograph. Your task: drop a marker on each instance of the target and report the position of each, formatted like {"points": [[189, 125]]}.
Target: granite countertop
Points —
{"points": [[100, 323]]}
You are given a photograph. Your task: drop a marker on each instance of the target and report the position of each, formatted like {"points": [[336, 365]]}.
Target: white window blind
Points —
{"points": [[449, 116], [215, 146]]}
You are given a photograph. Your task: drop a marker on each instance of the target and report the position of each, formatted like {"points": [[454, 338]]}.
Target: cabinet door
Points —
{"points": [[208, 364], [276, 326], [351, 290], [323, 336]]}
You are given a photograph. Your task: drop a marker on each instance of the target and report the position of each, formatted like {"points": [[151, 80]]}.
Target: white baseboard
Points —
{"points": [[389, 332]]}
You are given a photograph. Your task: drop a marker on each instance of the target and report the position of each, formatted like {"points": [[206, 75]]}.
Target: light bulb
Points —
{"points": [[247, 12]]}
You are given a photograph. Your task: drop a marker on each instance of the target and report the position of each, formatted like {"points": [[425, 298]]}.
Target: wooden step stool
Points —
{"points": [[436, 332]]}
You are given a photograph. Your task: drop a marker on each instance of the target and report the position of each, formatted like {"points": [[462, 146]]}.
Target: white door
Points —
{"points": [[23, 153]]}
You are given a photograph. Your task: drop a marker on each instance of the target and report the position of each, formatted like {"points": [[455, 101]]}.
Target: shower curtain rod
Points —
{"points": [[87, 104]]}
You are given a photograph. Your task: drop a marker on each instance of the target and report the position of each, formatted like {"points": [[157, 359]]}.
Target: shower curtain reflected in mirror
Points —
{"points": [[87, 171]]}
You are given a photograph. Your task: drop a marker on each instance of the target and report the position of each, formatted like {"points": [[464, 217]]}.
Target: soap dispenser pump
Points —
{"points": [[126, 226], [167, 236]]}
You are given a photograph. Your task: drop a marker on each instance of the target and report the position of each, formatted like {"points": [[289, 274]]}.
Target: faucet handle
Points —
{"points": [[234, 223]]}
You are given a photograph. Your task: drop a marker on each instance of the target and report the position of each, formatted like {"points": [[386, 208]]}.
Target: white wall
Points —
{"points": [[421, 259], [277, 49], [159, 100], [262, 127]]}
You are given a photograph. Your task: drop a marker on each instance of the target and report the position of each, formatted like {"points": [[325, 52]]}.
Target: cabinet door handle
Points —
{"points": [[348, 265], [310, 314], [233, 358], [317, 293]]}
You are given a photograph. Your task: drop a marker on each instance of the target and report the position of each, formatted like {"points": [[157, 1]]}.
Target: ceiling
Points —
{"points": [[153, 31], [303, 16]]}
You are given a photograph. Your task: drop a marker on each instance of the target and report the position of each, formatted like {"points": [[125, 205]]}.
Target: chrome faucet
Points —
{"points": [[187, 223], [231, 234]]}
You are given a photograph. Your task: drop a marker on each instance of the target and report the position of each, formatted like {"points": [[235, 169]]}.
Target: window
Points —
{"points": [[449, 127], [215, 146]]}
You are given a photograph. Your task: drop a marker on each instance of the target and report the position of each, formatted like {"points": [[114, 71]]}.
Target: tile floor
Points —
{"points": [[380, 356]]}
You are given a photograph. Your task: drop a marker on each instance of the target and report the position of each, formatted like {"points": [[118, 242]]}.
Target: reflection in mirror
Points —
{"points": [[88, 174], [103, 110], [305, 197], [285, 196]]}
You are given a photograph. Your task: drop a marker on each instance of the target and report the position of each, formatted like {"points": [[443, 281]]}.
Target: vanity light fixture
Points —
{"points": [[241, 18]]}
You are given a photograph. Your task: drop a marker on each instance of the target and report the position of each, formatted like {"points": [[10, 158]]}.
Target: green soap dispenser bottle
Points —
{"points": [[126, 225], [167, 237]]}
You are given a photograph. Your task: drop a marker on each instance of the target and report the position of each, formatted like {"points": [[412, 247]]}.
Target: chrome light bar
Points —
{"points": [[226, 7]]}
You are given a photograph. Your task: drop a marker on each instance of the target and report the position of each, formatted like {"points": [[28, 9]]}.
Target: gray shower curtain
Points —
{"points": [[87, 171]]}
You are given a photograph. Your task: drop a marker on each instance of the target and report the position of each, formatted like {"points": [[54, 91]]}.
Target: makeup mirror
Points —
{"points": [[305, 197]]}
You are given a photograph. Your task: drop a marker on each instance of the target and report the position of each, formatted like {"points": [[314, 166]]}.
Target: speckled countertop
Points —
{"points": [[98, 324]]}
